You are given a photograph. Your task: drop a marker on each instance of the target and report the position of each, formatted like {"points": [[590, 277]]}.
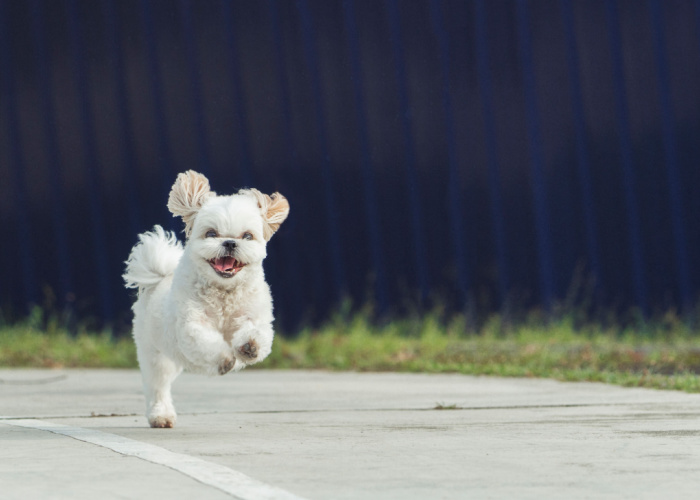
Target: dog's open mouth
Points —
{"points": [[226, 267]]}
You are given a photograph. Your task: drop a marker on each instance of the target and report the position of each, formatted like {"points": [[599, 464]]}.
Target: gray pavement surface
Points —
{"points": [[321, 435]]}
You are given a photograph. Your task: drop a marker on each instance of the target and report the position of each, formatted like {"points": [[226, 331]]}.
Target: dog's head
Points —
{"points": [[225, 234]]}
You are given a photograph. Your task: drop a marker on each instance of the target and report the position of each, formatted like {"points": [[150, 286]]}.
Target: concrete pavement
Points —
{"points": [[285, 434]]}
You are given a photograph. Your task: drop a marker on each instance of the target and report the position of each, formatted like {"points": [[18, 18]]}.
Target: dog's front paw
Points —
{"points": [[226, 365], [251, 344], [249, 350]]}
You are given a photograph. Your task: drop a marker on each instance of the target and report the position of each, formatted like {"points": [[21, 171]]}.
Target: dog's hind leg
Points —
{"points": [[159, 372]]}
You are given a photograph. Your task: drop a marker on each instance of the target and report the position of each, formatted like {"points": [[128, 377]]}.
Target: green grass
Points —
{"points": [[664, 354], [28, 345]]}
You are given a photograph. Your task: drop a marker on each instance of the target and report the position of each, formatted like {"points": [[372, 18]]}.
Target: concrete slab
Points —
{"points": [[353, 435]]}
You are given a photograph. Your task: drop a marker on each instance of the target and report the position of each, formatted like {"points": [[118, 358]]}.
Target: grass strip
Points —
{"points": [[660, 359], [667, 357], [25, 346]]}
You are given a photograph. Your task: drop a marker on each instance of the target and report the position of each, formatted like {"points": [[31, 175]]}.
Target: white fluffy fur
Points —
{"points": [[189, 317]]}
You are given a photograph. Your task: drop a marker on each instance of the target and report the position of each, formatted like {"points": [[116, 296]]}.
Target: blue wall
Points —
{"points": [[482, 154]]}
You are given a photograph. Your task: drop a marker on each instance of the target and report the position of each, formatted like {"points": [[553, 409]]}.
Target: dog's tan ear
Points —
{"points": [[188, 194], [274, 208]]}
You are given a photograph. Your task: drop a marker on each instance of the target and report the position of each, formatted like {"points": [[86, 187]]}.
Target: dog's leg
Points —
{"points": [[205, 348], [252, 343], [158, 373]]}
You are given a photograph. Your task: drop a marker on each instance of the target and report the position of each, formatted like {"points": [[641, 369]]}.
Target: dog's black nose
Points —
{"points": [[229, 244]]}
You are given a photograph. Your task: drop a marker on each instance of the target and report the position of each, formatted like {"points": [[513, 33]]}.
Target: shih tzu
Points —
{"points": [[204, 307]]}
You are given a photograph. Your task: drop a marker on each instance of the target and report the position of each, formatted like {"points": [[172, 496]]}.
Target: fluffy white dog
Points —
{"points": [[205, 307]]}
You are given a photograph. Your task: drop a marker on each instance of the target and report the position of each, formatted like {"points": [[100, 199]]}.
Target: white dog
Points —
{"points": [[205, 307]]}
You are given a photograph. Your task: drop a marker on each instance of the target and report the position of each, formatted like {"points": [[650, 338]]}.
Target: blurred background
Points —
{"points": [[478, 156]]}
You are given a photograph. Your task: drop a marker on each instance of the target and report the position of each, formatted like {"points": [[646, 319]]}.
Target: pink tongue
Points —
{"points": [[224, 264]]}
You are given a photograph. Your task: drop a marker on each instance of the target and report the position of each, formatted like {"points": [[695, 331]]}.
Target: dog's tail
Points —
{"points": [[154, 257]]}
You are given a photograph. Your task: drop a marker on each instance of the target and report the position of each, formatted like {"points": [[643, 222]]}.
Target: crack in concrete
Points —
{"points": [[334, 410], [41, 381]]}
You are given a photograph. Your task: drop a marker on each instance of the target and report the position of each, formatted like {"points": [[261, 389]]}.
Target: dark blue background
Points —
{"points": [[483, 155]]}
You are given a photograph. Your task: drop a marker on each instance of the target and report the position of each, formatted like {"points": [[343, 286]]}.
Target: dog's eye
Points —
{"points": [[247, 236], [210, 234]]}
